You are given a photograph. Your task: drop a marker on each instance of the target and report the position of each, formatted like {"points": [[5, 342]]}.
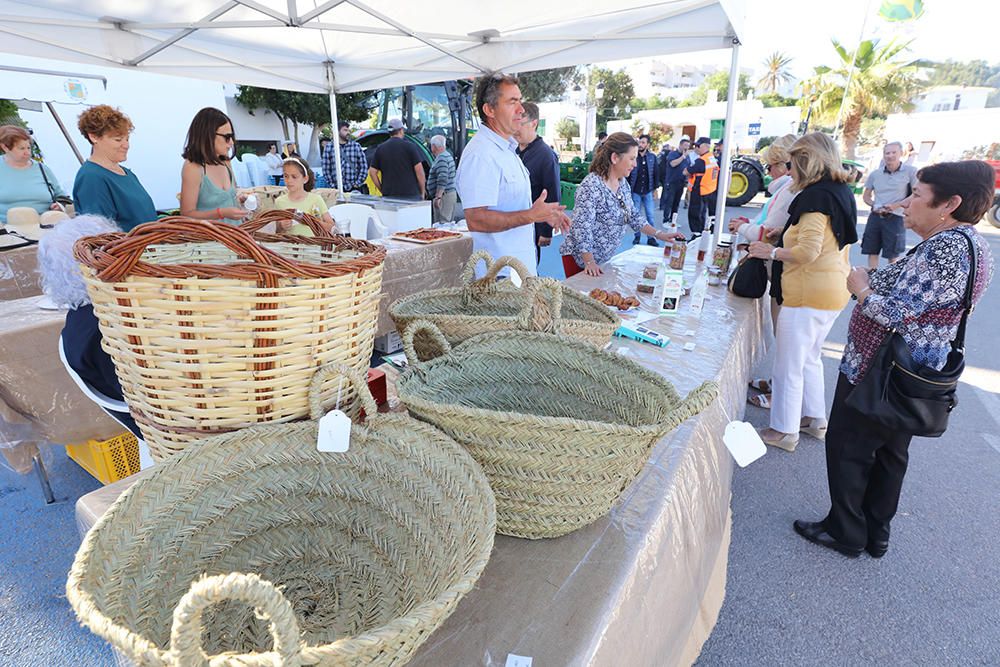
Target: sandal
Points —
{"points": [[763, 385], [785, 441], [815, 426], [760, 400]]}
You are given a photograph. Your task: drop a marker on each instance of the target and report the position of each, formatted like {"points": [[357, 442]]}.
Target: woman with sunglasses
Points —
{"points": [[208, 187], [604, 209]]}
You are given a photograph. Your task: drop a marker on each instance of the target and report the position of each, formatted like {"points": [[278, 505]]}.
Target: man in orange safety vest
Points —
{"points": [[704, 175]]}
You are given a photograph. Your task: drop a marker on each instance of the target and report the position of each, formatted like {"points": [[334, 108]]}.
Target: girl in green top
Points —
{"points": [[299, 179], [208, 188]]}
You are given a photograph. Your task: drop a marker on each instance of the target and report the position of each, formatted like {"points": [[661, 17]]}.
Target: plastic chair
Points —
{"points": [[241, 174], [117, 410], [257, 169], [362, 222]]}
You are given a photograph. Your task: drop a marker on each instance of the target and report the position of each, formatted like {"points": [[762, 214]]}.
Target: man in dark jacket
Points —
{"points": [[543, 169], [671, 175], [642, 182]]}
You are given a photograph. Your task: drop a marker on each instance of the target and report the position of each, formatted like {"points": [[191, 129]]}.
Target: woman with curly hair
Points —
{"points": [[103, 186]]}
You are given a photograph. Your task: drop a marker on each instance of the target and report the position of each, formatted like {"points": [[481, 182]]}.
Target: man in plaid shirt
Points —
{"points": [[352, 157]]}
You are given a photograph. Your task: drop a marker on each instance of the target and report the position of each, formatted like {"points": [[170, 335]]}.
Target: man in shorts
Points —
{"points": [[885, 191]]}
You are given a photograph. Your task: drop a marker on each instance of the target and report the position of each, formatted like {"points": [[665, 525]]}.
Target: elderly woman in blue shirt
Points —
{"points": [[604, 209]]}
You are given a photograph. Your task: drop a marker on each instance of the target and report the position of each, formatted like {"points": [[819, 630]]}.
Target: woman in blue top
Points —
{"points": [[23, 182], [102, 186], [208, 188]]}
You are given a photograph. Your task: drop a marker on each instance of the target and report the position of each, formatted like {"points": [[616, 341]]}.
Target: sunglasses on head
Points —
{"points": [[229, 136]]}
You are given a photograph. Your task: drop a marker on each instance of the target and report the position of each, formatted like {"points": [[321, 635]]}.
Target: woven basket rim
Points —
{"points": [[84, 604], [473, 345]]}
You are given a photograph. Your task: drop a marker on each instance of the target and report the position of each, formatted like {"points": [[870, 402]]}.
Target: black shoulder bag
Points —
{"points": [[908, 397], [750, 278]]}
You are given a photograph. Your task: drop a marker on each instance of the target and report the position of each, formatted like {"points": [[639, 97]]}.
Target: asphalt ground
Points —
{"points": [[932, 600]]}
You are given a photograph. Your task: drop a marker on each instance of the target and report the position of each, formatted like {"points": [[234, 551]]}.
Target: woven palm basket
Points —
{"points": [[211, 330], [560, 429], [485, 305], [256, 549]]}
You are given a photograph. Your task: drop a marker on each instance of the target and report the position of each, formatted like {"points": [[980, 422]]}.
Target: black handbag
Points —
{"points": [[908, 397], [750, 278]]}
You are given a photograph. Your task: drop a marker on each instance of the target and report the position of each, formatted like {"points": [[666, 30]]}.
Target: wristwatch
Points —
{"points": [[774, 253]]}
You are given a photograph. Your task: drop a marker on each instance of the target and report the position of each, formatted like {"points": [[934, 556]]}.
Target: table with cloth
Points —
{"points": [[644, 585]]}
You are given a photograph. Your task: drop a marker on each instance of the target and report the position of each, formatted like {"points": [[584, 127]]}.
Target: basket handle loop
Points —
{"points": [[411, 333], [534, 291], [352, 376], [133, 244], [256, 223], [693, 403], [469, 272], [267, 601]]}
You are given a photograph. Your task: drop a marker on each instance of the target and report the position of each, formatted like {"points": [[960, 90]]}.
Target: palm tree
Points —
{"points": [[882, 83], [777, 72]]}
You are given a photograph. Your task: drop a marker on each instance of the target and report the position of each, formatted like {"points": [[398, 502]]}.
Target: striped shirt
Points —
{"points": [[442, 174]]}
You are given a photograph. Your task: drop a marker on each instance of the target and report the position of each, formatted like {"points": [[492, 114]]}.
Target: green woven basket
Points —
{"points": [[486, 305], [347, 558], [560, 429]]}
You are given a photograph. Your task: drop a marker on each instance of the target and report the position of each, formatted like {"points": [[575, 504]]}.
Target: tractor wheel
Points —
{"points": [[744, 184], [994, 214]]}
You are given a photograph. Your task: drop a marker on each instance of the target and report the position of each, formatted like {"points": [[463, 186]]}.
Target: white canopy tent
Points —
{"points": [[331, 46]]}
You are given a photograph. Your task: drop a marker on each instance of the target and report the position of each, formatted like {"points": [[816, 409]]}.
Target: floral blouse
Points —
{"points": [[921, 297], [600, 217]]}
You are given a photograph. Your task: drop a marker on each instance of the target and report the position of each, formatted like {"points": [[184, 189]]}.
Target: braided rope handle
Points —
{"points": [[469, 280], [281, 215], [411, 333], [534, 287], [693, 403], [354, 377], [268, 603]]}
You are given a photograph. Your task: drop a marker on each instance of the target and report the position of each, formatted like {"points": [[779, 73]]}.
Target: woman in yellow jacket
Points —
{"points": [[810, 285]]}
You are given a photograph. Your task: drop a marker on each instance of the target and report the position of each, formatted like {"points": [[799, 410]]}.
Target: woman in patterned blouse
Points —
{"points": [[920, 297], [604, 209]]}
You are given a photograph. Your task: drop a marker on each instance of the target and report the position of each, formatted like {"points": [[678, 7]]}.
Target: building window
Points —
{"points": [[958, 102]]}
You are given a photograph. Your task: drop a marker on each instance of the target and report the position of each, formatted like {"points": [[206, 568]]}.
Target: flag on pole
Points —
{"points": [[901, 10]]}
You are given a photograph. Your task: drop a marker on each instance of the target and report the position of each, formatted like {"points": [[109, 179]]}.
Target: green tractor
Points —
{"points": [[748, 177]]}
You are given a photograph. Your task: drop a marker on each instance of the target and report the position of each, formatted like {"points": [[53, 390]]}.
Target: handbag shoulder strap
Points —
{"points": [[967, 305], [52, 193]]}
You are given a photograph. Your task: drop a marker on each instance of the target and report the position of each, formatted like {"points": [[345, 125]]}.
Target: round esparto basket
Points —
{"points": [[349, 558], [485, 305], [211, 330], [560, 429]]}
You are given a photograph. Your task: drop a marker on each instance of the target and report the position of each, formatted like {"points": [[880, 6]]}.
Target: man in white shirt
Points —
{"points": [[493, 183]]}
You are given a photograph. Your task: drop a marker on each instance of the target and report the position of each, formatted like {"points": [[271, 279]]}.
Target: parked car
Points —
{"points": [[993, 215]]}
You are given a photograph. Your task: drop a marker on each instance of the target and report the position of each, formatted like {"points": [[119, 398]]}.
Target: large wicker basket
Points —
{"points": [[485, 305], [561, 429], [348, 558], [212, 331]]}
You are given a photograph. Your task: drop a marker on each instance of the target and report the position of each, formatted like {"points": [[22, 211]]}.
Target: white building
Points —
{"points": [[952, 98], [940, 136], [654, 77], [751, 118]]}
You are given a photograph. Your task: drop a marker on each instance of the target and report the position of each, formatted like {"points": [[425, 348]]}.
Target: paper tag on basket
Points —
{"points": [[517, 661], [744, 443], [334, 432]]}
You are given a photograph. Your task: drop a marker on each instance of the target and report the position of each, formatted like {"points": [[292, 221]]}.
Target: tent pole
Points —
{"points": [[336, 131], [62, 128], [727, 142]]}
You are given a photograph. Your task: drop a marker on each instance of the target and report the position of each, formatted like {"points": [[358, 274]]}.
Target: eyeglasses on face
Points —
{"points": [[229, 136]]}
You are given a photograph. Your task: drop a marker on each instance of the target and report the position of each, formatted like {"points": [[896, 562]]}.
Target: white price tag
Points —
{"points": [[517, 661], [689, 347], [334, 432], [689, 332], [744, 443]]}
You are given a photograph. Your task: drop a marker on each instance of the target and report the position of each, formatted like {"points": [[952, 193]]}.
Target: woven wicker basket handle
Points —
{"points": [[693, 403], [268, 603], [492, 269], [128, 250], [280, 215], [534, 288], [411, 333], [353, 377]]}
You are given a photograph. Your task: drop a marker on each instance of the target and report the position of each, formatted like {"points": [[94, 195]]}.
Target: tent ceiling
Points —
{"points": [[294, 44]]}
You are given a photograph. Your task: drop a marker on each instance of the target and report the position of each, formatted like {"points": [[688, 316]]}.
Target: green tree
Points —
{"points": [[970, 73], [548, 85], [567, 128], [719, 82], [292, 108], [9, 114], [776, 100], [776, 72], [618, 92], [882, 83]]}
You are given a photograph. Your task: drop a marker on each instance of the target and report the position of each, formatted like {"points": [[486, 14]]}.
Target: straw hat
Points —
{"points": [[25, 222], [51, 218]]}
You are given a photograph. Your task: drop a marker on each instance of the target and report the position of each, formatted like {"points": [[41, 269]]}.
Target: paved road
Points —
{"points": [[933, 600]]}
